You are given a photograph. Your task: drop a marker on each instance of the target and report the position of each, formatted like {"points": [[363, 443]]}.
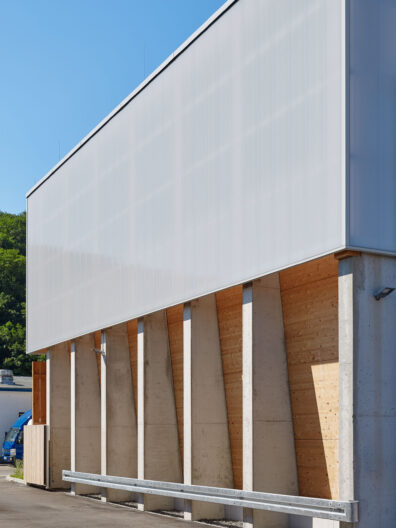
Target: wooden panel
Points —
{"points": [[98, 344], [346, 253], [34, 454], [317, 461], [310, 311], [175, 331], [39, 392], [132, 342], [229, 315]]}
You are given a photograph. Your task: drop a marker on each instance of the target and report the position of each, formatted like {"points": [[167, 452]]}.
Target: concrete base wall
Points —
{"points": [[87, 411], [58, 415], [269, 462], [121, 438], [159, 455], [207, 454], [367, 365], [297, 521], [367, 388]]}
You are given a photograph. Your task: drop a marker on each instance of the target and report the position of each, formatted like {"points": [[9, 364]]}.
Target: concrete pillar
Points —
{"points": [[85, 442], [103, 411], [269, 462], [207, 454], [58, 415], [119, 431], [140, 406], [73, 412], [367, 362], [158, 443]]}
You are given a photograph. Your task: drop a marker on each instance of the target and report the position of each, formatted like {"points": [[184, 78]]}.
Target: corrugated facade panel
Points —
{"points": [[373, 124], [226, 167]]}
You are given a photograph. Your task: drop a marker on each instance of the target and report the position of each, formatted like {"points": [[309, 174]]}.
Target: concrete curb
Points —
{"points": [[17, 480]]}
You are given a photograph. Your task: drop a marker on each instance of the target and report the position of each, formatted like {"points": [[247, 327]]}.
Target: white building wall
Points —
{"points": [[226, 166], [11, 403], [373, 124]]}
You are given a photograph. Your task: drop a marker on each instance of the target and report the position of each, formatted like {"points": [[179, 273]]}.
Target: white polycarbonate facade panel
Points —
{"points": [[373, 124], [227, 166]]}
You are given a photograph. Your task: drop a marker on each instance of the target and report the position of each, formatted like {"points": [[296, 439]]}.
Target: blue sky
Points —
{"points": [[65, 64]]}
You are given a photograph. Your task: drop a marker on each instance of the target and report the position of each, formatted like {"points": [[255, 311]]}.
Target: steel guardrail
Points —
{"points": [[346, 511]]}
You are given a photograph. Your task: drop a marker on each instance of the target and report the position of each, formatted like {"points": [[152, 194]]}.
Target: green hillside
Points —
{"points": [[13, 293]]}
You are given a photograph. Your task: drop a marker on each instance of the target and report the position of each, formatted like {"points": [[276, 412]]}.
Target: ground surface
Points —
{"points": [[24, 507]]}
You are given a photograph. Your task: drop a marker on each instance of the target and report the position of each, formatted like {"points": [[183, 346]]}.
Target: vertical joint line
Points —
{"points": [[187, 396], [140, 397], [247, 385], [73, 406], [103, 402]]}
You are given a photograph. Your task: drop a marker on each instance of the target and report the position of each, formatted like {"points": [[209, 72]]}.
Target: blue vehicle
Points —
{"points": [[13, 442]]}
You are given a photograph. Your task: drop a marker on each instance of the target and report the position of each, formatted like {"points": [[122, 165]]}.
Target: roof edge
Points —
{"points": [[186, 44]]}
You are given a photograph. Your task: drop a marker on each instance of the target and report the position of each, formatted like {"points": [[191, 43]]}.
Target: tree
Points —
{"points": [[13, 294], [13, 232]]}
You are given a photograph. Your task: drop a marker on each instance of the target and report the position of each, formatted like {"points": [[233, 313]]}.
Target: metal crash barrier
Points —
{"points": [[346, 511]]}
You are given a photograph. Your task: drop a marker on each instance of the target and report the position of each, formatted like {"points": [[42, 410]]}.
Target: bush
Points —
{"points": [[18, 472]]}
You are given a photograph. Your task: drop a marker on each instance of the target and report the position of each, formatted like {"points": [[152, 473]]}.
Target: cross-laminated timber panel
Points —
{"points": [[39, 392], [175, 332], [229, 316], [132, 342], [310, 309]]}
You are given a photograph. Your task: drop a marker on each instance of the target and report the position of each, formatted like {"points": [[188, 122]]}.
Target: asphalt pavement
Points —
{"points": [[29, 507]]}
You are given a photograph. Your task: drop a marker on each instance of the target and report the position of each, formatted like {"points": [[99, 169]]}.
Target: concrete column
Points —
{"points": [[103, 410], [58, 415], [140, 406], [86, 450], [269, 462], [367, 362], [73, 412], [346, 381], [158, 442], [120, 456], [207, 454]]}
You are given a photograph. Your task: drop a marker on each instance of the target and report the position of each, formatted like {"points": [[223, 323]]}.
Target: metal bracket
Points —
{"points": [[101, 352]]}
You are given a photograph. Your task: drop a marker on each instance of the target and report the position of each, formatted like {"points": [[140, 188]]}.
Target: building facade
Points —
{"points": [[210, 271], [15, 398]]}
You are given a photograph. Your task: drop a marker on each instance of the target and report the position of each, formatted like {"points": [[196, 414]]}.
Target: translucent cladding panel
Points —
{"points": [[373, 124], [225, 167]]}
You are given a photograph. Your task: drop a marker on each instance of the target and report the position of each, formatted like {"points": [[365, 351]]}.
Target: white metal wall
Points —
{"points": [[11, 403], [373, 124], [228, 165]]}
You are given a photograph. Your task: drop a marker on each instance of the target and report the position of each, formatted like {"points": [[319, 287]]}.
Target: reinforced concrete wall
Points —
{"points": [[119, 454], [367, 388], [269, 462], [294, 364], [85, 410], [159, 454], [58, 415], [207, 455]]}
